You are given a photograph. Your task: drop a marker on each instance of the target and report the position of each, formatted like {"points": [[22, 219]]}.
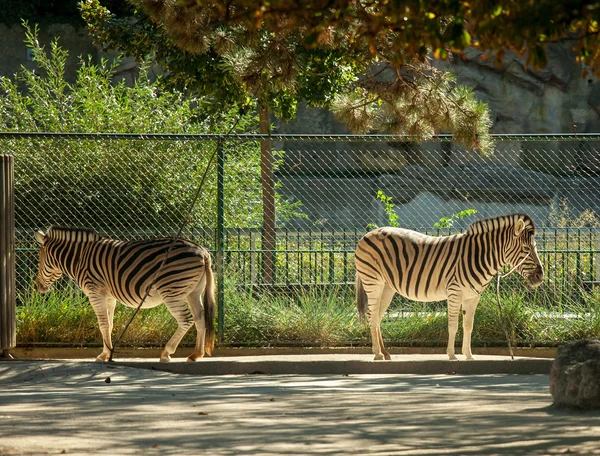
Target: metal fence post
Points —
{"points": [[220, 241], [253, 275], [596, 261], [8, 324]]}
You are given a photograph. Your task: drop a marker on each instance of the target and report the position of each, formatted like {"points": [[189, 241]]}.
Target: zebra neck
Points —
{"points": [[70, 258], [482, 261]]}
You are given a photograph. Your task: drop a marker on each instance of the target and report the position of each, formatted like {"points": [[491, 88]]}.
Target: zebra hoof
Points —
{"points": [[165, 359], [470, 358], [378, 357], [452, 358]]}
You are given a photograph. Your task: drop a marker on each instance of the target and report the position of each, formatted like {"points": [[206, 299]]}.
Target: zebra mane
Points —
{"points": [[72, 234], [484, 225]]}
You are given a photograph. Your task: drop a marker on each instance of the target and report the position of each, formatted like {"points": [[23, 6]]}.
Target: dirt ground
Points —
{"points": [[81, 407]]}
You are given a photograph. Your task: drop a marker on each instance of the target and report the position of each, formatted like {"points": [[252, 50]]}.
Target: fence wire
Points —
{"points": [[291, 282]]}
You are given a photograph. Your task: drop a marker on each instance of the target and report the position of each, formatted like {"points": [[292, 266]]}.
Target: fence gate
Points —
{"points": [[8, 327]]}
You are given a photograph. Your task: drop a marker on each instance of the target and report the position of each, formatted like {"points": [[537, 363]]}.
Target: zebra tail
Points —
{"points": [[210, 307], [361, 298]]}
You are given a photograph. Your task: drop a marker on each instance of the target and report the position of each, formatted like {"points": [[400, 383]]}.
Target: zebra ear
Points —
{"points": [[519, 227], [40, 237]]}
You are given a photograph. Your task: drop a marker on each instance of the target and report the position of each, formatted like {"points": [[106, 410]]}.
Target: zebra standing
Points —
{"points": [[427, 268], [110, 270]]}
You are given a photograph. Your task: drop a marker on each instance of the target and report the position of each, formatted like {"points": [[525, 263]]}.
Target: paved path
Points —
{"points": [[67, 407]]}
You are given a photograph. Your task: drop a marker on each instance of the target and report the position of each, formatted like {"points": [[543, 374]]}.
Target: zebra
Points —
{"points": [[455, 268], [109, 270]]}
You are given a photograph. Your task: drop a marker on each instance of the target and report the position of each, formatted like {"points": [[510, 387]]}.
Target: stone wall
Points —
{"points": [[551, 100]]}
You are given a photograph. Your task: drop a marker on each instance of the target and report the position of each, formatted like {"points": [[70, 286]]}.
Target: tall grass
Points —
{"points": [[311, 317], [65, 316], [321, 317]]}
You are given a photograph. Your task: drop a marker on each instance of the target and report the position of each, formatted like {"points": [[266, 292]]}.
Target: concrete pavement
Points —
{"points": [[81, 407], [348, 364]]}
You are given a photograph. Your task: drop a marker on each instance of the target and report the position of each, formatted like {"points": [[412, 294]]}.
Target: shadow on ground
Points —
{"points": [[48, 408]]}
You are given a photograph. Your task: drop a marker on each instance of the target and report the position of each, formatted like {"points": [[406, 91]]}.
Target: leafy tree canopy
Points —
{"points": [[522, 26], [205, 49]]}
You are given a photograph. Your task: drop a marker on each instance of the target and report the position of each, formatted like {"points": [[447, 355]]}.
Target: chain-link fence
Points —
{"points": [[283, 227]]}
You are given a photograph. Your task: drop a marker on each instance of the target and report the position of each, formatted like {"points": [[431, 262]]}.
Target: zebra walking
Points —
{"points": [[109, 270], [456, 268]]}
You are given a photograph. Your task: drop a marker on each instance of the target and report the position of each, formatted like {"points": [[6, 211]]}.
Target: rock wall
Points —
{"points": [[551, 100]]}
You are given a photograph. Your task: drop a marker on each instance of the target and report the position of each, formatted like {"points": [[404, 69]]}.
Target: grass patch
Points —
{"points": [[323, 317], [313, 317], [65, 316]]}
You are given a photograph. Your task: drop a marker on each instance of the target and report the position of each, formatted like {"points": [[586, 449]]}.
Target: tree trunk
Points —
{"points": [[268, 195]]}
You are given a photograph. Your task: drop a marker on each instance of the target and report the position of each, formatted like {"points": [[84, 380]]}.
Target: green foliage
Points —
{"points": [[119, 185], [313, 317], [388, 206], [226, 65], [231, 61], [448, 222], [562, 216], [420, 102], [66, 316], [443, 27], [137, 36]]}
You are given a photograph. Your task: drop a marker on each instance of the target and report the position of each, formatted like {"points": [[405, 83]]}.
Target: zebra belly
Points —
{"points": [[424, 296], [152, 300]]}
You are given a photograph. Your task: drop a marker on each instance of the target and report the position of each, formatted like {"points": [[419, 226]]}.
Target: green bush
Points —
{"points": [[120, 186]]}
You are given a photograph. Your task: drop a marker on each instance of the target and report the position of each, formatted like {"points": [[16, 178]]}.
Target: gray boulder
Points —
{"points": [[575, 375]]}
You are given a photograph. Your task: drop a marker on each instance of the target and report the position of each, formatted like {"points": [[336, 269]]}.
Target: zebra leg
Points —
{"points": [[104, 307], [469, 306], [195, 303], [384, 303], [454, 303], [185, 320], [374, 292]]}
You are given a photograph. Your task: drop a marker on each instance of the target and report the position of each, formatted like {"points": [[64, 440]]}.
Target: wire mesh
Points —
{"points": [[328, 191]]}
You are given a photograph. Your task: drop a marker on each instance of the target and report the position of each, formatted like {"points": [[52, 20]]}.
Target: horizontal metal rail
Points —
{"points": [[288, 137]]}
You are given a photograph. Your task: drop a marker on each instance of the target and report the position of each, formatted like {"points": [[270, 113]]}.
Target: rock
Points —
{"points": [[575, 375], [523, 100]]}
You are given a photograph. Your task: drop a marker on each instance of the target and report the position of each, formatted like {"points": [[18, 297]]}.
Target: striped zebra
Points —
{"points": [[456, 268], [109, 270]]}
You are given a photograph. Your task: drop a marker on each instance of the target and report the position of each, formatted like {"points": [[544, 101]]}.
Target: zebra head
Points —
{"points": [[523, 255], [48, 271]]}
